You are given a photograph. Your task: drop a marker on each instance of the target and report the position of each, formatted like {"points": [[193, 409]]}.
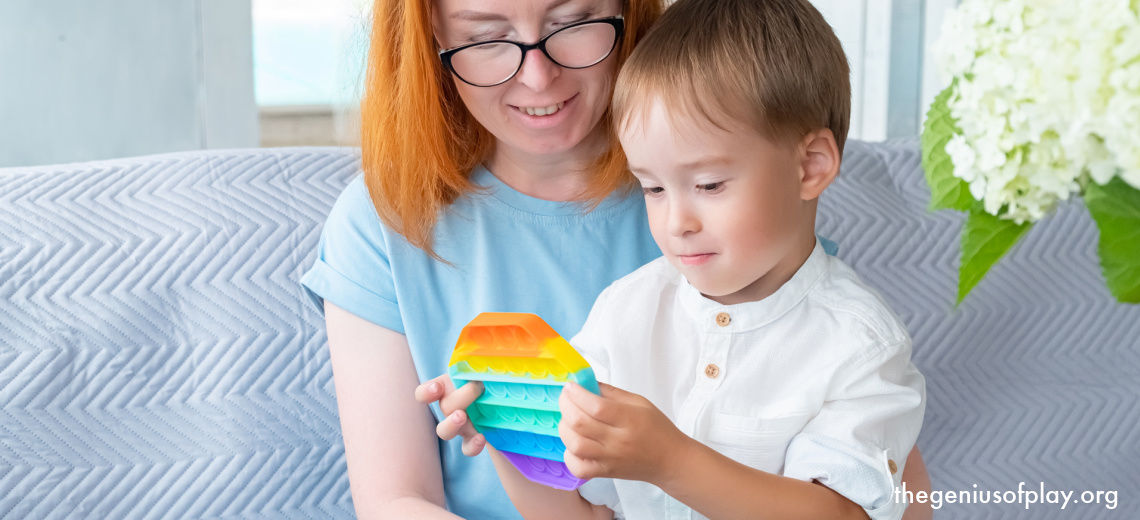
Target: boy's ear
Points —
{"points": [[819, 163]]}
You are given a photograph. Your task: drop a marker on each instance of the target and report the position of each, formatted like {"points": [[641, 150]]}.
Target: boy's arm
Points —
{"points": [[839, 466], [538, 502], [622, 435], [859, 441], [719, 487]]}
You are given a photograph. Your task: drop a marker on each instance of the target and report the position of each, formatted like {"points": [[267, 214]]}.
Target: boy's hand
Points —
{"points": [[454, 402], [618, 435]]}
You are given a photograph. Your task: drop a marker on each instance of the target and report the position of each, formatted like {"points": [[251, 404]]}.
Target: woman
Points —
{"points": [[492, 182]]}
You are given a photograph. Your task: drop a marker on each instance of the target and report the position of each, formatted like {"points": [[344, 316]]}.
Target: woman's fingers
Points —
{"points": [[432, 390], [461, 398], [473, 445], [450, 398], [457, 424], [454, 424]]}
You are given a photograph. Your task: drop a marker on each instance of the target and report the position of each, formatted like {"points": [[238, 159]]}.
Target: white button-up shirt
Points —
{"points": [[812, 382]]}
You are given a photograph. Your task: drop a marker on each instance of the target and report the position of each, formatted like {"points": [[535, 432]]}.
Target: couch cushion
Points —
{"points": [[157, 356]]}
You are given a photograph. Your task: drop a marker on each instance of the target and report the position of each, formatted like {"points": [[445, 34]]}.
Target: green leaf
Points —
{"points": [[985, 240], [946, 190], [1116, 209]]}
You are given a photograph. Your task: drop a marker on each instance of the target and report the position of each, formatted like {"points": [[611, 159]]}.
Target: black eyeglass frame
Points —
{"points": [[618, 23]]}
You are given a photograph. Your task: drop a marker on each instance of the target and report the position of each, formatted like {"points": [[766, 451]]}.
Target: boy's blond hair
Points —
{"points": [[774, 65]]}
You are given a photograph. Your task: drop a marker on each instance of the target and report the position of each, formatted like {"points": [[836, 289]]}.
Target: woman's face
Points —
{"points": [[573, 100]]}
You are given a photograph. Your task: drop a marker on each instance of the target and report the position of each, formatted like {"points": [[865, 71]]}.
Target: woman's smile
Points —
{"points": [[548, 118]]}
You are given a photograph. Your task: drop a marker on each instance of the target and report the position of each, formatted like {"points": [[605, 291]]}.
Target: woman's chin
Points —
{"points": [[550, 145]]}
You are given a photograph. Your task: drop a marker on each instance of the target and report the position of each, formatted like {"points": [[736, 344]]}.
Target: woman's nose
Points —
{"points": [[538, 71]]}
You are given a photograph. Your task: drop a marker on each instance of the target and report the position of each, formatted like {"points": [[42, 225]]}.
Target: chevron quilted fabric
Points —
{"points": [[158, 358]]}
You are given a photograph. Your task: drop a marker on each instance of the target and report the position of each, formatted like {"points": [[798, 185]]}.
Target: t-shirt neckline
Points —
{"points": [[481, 176]]}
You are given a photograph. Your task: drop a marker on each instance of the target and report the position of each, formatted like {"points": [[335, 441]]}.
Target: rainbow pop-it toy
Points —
{"points": [[523, 364]]}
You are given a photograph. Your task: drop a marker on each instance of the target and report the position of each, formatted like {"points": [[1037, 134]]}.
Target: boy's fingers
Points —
{"points": [[612, 392], [462, 397], [591, 404], [584, 468], [575, 422], [582, 445]]}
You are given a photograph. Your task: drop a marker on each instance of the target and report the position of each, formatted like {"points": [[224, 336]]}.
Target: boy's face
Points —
{"points": [[727, 208]]}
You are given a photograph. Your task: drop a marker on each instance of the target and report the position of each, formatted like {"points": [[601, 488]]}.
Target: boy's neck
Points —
{"points": [[775, 278]]}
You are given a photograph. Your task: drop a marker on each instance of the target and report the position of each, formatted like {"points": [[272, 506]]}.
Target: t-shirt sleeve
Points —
{"points": [[352, 268], [871, 419]]}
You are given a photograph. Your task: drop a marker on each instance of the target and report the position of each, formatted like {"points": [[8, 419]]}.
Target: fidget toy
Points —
{"points": [[523, 364]]}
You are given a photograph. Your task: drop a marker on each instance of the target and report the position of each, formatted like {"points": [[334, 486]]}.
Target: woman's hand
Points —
{"points": [[618, 435], [454, 402]]}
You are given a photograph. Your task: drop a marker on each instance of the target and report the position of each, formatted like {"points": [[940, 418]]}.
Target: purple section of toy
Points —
{"points": [[546, 472]]}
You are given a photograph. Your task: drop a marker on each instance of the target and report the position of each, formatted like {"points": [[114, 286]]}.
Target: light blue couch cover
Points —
{"points": [[158, 358]]}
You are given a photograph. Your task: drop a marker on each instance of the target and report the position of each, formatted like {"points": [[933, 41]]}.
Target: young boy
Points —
{"points": [[753, 376]]}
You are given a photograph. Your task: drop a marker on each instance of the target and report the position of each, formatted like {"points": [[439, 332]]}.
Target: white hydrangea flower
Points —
{"points": [[1048, 98]]}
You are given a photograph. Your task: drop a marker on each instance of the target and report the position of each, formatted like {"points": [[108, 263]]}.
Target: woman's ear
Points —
{"points": [[819, 163]]}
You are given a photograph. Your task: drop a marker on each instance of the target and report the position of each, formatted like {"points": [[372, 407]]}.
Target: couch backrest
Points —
{"points": [[158, 358]]}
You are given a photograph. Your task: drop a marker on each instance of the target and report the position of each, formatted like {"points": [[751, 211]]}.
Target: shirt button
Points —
{"points": [[712, 371], [723, 319], [891, 464]]}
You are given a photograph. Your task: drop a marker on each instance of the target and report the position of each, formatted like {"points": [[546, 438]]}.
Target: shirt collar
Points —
{"points": [[751, 315]]}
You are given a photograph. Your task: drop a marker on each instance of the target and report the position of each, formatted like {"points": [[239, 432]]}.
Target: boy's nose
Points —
{"points": [[538, 71], [682, 220]]}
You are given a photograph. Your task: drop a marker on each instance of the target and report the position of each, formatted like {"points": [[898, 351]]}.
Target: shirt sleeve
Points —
{"points": [[868, 424], [602, 492], [352, 269], [596, 334]]}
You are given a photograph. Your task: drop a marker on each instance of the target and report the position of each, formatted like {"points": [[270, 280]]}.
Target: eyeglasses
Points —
{"points": [[576, 46]]}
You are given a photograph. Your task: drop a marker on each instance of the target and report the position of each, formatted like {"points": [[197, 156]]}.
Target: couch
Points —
{"points": [[158, 358]]}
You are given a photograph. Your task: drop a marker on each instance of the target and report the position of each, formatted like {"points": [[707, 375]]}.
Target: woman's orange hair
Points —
{"points": [[419, 141]]}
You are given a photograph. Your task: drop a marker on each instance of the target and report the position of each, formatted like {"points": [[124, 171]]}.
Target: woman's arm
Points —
{"points": [[389, 440], [539, 502]]}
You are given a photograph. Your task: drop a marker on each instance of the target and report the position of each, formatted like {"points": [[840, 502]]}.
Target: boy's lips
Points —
{"points": [[696, 259]]}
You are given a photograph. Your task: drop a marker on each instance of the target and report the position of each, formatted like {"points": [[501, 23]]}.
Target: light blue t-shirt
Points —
{"points": [[510, 253]]}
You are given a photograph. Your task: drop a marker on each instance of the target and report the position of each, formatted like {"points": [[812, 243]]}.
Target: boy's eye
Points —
{"points": [[655, 190], [712, 186]]}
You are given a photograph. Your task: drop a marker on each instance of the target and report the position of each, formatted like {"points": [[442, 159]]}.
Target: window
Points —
{"points": [[308, 60]]}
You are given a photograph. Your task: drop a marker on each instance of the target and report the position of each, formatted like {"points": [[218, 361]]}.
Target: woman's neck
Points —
{"points": [[552, 176]]}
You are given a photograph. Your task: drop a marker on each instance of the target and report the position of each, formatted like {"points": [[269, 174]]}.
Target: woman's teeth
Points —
{"points": [[543, 111]]}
